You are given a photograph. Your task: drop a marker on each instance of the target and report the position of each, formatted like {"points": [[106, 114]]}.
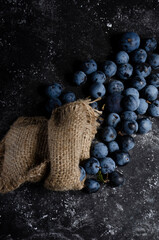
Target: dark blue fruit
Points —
{"points": [[130, 103], [153, 109], [107, 165], [109, 134], [68, 97], [94, 105], [150, 93], [113, 119], [92, 185], [126, 143], [92, 166], [89, 66], [138, 83], [129, 41], [52, 104], [129, 115], [83, 173], [142, 69], [113, 146], [98, 77], [99, 150], [113, 103], [139, 56], [109, 68], [153, 79], [131, 91], [116, 179], [54, 90], [154, 60], [79, 78], [125, 71], [115, 86], [122, 57], [130, 127], [97, 90], [122, 158], [150, 44], [143, 106], [145, 125]]}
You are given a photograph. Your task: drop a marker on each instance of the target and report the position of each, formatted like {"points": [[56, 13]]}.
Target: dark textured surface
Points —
{"points": [[41, 41]]}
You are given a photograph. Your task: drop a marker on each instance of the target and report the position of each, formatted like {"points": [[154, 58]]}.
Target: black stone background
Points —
{"points": [[40, 43]]}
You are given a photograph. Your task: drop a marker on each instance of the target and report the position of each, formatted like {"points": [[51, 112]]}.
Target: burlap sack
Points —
{"points": [[63, 141]]}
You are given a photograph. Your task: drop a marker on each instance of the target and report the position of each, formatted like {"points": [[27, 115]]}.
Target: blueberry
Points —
{"points": [[113, 103], [139, 56], [142, 69], [52, 104], [150, 44], [113, 119], [129, 115], [150, 92], [94, 105], [99, 150], [54, 90], [113, 146], [153, 79], [92, 166], [130, 103], [154, 60], [79, 78], [126, 143], [107, 165], [109, 68], [143, 106], [121, 158], [109, 134], [83, 173], [97, 90], [68, 97], [89, 66], [138, 82], [115, 86], [129, 41], [122, 57], [92, 185], [153, 109], [116, 179], [130, 127], [145, 125], [131, 91], [98, 77], [125, 71]]}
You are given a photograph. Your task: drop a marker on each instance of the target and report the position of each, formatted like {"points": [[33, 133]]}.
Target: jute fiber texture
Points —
{"points": [[34, 143]]}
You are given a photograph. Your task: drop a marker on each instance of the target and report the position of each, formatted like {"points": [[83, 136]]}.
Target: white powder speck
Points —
{"points": [[109, 25]]}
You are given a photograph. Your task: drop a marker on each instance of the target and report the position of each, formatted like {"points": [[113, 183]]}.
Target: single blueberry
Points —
{"points": [[154, 60], [99, 150], [109, 68], [153, 79], [153, 109], [107, 165], [150, 93], [97, 90], [83, 173], [109, 134], [145, 125], [131, 91], [130, 103], [130, 126], [113, 103], [121, 158], [113, 119], [122, 57], [129, 115], [125, 71], [79, 78], [115, 86], [92, 185], [54, 90], [138, 82], [142, 69], [129, 41], [52, 104], [150, 44], [113, 146], [116, 179], [139, 56], [98, 77], [89, 66], [143, 106], [126, 143], [92, 166], [68, 97]]}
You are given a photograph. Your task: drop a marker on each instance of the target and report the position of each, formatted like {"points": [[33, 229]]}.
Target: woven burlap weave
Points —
{"points": [[64, 141]]}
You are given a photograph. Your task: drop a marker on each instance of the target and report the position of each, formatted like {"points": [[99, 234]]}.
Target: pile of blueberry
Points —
{"points": [[128, 89]]}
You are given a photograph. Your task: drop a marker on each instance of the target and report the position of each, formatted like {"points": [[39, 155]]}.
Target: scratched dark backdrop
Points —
{"points": [[40, 42]]}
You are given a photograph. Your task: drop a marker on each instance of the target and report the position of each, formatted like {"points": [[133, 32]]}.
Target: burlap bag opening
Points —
{"points": [[63, 141]]}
